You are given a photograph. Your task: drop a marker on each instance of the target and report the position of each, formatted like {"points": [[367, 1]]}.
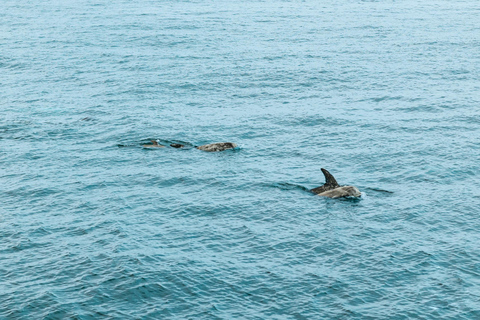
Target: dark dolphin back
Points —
{"points": [[330, 183]]}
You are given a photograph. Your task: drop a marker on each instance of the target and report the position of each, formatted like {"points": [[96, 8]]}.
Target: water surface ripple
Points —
{"points": [[384, 94]]}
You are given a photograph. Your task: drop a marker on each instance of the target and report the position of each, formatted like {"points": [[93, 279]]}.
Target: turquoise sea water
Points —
{"points": [[384, 94]]}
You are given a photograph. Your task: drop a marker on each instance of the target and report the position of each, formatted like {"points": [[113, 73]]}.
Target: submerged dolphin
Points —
{"points": [[219, 146], [332, 189], [212, 147], [154, 144]]}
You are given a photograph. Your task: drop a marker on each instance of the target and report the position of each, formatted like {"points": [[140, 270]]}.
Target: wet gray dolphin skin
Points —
{"points": [[219, 146], [332, 189]]}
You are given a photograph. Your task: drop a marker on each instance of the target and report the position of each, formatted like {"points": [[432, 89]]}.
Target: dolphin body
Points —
{"points": [[219, 146], [212, 147], [333, 190], [154, 144]]}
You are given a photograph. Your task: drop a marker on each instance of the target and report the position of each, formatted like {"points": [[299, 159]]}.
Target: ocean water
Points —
{"points": [[383, 94]]}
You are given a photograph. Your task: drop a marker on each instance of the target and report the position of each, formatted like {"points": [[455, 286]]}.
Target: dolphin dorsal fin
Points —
{"points": [[329, 179]]}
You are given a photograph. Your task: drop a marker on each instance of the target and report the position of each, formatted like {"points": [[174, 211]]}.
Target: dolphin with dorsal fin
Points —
{"points": [[332, 189]]}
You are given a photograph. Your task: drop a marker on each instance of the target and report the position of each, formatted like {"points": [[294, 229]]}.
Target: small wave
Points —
{"points": [[288, 186], [379, 190], [386, 98]]}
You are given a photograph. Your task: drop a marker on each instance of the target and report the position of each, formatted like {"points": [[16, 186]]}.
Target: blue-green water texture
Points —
{"points": [[383, 94]]}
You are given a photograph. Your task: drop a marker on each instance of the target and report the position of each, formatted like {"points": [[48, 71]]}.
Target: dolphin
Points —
{"points": [[212, 147], [332, 189], [154, 144], [219, 146]]}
